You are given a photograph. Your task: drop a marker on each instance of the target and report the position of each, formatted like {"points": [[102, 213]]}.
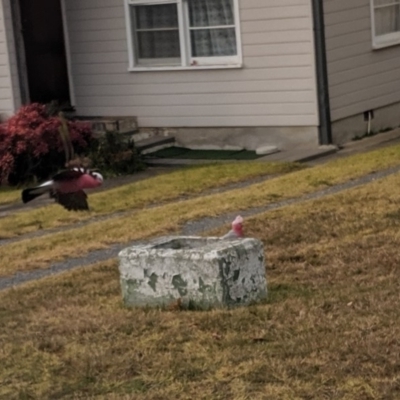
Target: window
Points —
{"points": [[167, 34], [385, 22]]}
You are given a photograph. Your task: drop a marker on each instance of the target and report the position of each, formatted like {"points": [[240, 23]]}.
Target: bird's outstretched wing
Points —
{"points": [[69, 174], [75, 201]]}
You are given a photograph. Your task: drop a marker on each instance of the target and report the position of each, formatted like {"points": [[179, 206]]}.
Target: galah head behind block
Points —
{"points": [[237, 229]]}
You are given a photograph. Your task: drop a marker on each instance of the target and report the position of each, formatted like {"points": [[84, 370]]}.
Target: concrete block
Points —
{"points": [[202, 272]]}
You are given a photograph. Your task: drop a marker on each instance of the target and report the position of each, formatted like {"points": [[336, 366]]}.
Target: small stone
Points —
{"points": [[265, 150]]}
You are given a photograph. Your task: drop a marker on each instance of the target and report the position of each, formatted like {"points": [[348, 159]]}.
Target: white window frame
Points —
{"points": [[382, 41], [187, 62]]}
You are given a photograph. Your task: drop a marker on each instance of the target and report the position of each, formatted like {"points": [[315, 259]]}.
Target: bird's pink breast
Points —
{"points": [[88, 182], [238, 229], [83, 182]]}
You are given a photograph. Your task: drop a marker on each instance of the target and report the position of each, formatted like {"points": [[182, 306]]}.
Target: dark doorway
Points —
{"points": [[44, 51]]}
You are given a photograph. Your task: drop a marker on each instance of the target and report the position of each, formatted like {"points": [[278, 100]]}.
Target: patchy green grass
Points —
{"points": [[188, 181], [329, 330], [39, 252]]}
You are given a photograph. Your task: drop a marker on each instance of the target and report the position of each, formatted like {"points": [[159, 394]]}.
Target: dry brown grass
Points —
{"points": [[166, 187], [330, 329], [9, 195], [195, 180], [40, 252]]}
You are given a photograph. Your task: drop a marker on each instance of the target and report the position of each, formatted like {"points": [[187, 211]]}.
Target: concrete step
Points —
{"points": [[101, 125], [154, 143]]}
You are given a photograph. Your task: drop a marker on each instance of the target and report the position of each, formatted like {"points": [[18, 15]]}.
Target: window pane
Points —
{"points": [[211, 13], [213, 42], [158, 44], [156, 32], [156, 16], [387, 20]]}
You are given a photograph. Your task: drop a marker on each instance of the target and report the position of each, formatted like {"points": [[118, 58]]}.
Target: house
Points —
{"points": [[213, 72]]}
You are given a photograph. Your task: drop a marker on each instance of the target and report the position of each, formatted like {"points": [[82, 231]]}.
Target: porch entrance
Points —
{"points": [[42, 52]]}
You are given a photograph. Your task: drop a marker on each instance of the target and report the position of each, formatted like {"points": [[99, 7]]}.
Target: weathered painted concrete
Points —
{"points": [[236, 138], [202, 272]]}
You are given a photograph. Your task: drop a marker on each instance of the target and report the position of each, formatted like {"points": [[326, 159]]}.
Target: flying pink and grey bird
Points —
{"points": [[237, 229], [66, 188]]}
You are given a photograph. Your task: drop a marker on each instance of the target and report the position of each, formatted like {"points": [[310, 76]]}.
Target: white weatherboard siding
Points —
{"points": [[360, 78], [9, 92], [276, 86]]}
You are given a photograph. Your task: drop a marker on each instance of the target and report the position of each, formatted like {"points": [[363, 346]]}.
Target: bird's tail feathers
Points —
{"points": [[31, 193]]}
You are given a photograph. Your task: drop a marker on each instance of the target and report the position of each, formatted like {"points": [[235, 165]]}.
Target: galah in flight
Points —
{"points": [[66, 188], [237, 229]]}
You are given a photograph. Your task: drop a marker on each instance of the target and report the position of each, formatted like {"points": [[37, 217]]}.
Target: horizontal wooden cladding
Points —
{"points": [[198, 87], [340, 6], [101, 57], [365, 70], [82, 26], [290, 36], [353, 38], [255, 38], [288, 99], [117, 51], [289, 24], [207, 121], [370, 82], [361, 60], [354, 14], [6, 105], [3, 47], [229, 110], [359, 77], [249, 4], [98, 35], [89, 4], [5, 92], [278, 49], [4, 86], [270, 13], [369, 104], [346, 52], [365, 94], [283, 60], [276, 85], [347, 28], [110, 66], [98, 13], [188, 77]]}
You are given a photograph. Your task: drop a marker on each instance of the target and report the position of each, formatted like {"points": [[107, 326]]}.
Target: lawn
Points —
{"points": [[330, 328], [188, 181], [42, 251]]}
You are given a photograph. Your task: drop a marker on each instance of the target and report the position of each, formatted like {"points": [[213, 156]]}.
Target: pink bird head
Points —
{"points": [[237, 226]]}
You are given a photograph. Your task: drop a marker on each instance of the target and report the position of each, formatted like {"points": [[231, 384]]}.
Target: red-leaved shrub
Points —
{"points": [[31, 145]]}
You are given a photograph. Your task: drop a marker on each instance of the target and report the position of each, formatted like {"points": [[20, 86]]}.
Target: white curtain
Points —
{"points": [[218, 41], [387, 17]]}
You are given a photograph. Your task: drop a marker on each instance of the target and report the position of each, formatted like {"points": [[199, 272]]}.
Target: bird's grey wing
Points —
{"points": [[74, 201], [230, 235]]}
